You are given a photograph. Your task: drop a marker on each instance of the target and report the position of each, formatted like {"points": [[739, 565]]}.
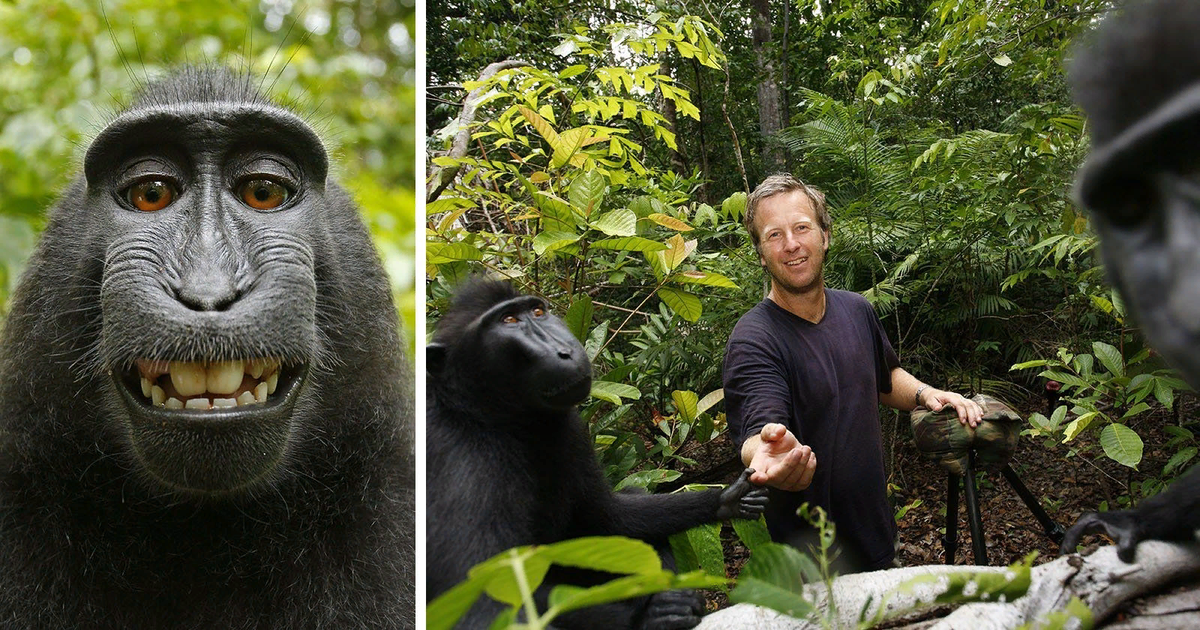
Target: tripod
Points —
{"points": [[1053, 530]]}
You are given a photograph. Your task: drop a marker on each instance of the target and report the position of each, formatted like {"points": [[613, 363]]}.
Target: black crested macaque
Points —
{"points": [[510, 462], [1138, 79], [205, 413]]}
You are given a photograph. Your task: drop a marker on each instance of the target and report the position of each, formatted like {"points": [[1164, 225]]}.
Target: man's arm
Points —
{"points": [[908, 393]]}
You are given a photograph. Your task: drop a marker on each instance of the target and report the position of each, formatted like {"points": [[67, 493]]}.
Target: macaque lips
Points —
{"points": [[208, 385]]}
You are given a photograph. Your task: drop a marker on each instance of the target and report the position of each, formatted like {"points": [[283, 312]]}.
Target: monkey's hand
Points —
{"points": [[1122, 526], [672, 610], [742, 499]]}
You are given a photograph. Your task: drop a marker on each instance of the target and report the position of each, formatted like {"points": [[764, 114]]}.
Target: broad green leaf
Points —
{"points": [[633, 586], [614, 392], [503, 586], [705, 278], [1122, 444], [587, 192], [439, 253], [444, 612], [772, 578], [571, 71], [671, 222], [570, 141], [446, 204], [614, 554], [557, 215], [1002, 60], [677, 251], [705, 542], [620, 222], [734, 206], [685, 404], [1135, 410], [681, 302], [1110, 357], [647, 478], [1030, 364], [579, 316], [551, 241], [753, 533], [1179, 460], [710, 399], [629, 244], [540, 125], [1078, 425], [1065, 378]]}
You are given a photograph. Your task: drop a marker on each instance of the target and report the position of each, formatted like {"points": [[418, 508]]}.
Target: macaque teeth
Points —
{"points": [[260, 392], [197, 403], [146, 385], [224, 377], [174, 403], [255, 367], [189, 379], [272, 382], [157, 395], [224, 402], [247, 398], [152, 369]]}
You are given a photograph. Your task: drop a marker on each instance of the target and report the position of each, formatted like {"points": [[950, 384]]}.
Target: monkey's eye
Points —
{"points": [[262, 194], [510, 319], [538, 312], [151, 195]]}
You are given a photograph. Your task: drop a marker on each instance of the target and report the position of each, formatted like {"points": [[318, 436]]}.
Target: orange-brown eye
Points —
{"points": [[262, 194], [510, 319], [537, 312], [151, 195]]}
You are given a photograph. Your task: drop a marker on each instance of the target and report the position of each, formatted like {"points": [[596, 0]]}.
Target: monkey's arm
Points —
{"points": [[1173, 515], [657, 516]]}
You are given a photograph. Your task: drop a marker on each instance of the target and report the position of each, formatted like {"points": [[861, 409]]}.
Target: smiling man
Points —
{"points": [[804, 372]]}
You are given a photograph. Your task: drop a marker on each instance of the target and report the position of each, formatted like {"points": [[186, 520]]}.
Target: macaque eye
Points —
{"points": [[151, 195], [539, 312], [262, 194], [1132, 203], [510, 319]]}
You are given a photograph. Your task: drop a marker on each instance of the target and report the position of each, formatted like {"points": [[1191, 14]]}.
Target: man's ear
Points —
{"points": [[435, 359], [828, 234]]}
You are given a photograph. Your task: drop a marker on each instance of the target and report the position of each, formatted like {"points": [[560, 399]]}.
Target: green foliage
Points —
{"points": [[347, 66], [1107, 393]]}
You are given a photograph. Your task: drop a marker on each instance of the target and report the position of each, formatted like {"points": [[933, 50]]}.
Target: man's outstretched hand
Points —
{"points": [[779, 459]]}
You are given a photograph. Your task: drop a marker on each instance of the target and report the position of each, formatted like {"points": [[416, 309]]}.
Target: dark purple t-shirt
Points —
{"points": [[823, 382]]}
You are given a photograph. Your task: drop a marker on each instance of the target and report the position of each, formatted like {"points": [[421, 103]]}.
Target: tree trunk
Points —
{"points": [[679, 164], [1104, 584], [770, 106]]}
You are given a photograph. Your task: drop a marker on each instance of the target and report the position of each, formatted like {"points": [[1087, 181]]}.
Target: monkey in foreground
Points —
{"points": [[205, 413], [510, 462], [1138, 79]]}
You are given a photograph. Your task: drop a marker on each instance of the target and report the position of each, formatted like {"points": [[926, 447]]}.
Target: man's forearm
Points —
{"points": [[904, 390]]}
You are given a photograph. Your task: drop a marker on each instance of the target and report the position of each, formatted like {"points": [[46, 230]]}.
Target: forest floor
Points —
{"points": [[1067, 479]]}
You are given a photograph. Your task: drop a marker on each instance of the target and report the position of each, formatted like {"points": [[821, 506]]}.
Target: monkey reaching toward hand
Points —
{"points": [[205, 413], [1138, 79], [510, 462]]}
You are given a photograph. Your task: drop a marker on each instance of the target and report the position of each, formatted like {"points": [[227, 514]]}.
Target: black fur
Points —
{"points": [[1138, 79], [510, 462], [117, 514]]}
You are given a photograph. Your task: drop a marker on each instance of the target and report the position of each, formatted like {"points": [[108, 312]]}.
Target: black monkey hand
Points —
{"points": [[673, 610], [1121, 526], [742, 499]]}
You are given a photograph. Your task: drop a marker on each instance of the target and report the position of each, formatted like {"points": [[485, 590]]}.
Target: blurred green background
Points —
{"points": [[67, 66]]}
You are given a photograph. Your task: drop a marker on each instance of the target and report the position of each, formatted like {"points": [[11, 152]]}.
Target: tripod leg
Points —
{"points": [[977, 542], [1053, 530], [950, 542]]}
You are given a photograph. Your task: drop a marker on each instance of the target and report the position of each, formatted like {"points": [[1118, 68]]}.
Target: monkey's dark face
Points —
{"points": [[528, 356], [208, 288], [1145, 202]]}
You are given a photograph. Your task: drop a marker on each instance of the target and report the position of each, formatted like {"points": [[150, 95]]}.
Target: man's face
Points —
{"points": [[792, 245]]}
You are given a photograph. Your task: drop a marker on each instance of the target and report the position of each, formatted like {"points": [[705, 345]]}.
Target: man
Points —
{"points": [[804, 372]]}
